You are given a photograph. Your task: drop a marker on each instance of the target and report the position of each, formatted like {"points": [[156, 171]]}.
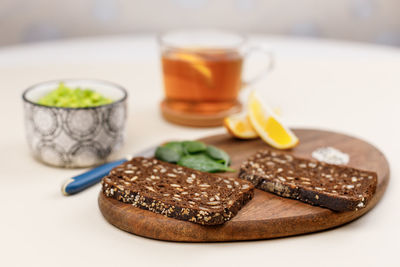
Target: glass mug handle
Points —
{"points": [[268, 67]]}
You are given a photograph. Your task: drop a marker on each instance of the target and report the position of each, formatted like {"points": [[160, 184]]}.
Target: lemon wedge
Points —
{"points": [[268, 125], [239, 126]]}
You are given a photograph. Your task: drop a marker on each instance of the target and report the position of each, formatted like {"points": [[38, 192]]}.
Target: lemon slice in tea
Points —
{"points": [[197, 63]]}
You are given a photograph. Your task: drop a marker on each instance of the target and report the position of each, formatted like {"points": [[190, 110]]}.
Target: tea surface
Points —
{"points": [[201, 81]]}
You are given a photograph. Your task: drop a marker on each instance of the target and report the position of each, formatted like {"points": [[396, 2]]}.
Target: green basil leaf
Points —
{"points": [[203, 163], [167, 154], [219, 155], [177, 146], [192, 147]]}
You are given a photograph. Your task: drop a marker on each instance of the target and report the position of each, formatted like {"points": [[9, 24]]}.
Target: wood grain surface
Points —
{"points": [[266, 215]]}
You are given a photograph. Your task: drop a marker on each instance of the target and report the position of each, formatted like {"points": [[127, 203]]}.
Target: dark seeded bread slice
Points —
{"points": [[339, 188], [177, 192]]}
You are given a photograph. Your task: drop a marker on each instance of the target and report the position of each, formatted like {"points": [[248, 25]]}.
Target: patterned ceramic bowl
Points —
{"points": [[75, 137]]}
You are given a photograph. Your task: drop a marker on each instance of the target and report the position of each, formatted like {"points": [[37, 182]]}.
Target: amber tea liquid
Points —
{"points": [[203, 81]]}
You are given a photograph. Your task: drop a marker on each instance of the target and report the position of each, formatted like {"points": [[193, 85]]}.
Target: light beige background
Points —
{"points": [[346, 88], [376, 21]]}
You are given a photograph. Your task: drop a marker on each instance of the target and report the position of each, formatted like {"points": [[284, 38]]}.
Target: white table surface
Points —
{"points": [[347, 87]]}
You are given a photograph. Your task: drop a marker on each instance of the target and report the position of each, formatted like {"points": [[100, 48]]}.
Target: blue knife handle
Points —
{"points": [[83, 181]]}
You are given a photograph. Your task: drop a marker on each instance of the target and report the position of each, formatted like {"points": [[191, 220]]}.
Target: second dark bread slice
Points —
{"points": [[339, 188], [177, 192]]}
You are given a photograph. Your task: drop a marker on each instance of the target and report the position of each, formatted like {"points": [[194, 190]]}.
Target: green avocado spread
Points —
{"points": [[67, 97]]}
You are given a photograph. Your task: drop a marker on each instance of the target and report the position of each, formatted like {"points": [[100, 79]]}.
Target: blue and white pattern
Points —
{"points": [[74, 137]]}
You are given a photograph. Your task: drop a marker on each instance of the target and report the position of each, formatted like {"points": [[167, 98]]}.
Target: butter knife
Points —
{"points": [[82, 181]]}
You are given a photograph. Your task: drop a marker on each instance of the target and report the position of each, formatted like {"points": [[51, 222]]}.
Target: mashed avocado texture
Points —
{"points": [[67, 97]]}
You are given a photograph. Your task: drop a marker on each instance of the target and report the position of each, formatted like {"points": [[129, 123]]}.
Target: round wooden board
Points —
{"points": [[266, 215]]}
